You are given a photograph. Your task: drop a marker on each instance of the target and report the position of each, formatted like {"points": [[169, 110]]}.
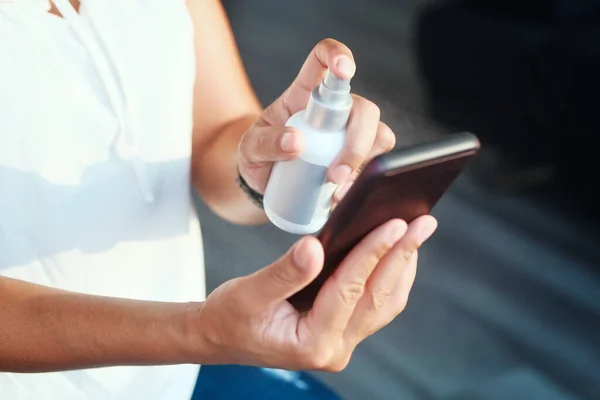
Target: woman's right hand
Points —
{"points": [[248, 320]]}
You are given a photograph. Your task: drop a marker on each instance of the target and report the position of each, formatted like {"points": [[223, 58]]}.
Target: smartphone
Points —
{"points": [[404, 183]]}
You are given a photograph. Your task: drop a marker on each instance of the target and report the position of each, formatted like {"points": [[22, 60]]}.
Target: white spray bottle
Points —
{"points": [[298, 195]]}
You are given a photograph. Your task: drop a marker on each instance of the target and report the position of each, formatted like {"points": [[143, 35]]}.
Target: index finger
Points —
{"points": [[337, 299], [362, 131], [327, 54]]}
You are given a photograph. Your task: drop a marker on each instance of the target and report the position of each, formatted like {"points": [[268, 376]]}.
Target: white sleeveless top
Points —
{"points": [[95, 147]]}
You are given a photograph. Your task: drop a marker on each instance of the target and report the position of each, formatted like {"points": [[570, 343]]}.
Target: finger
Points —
{"points": [[399, 298], [385, 140], [360, 138], [338, 297], [328, 53], [286, 276], [380, 287], [266, 144]]}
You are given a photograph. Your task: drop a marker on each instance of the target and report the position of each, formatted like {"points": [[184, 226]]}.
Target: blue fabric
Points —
{"points": [[233, 382]]}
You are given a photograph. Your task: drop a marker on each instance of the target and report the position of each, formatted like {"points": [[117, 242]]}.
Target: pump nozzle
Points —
{"points": [[336, 84], [330, 103]]}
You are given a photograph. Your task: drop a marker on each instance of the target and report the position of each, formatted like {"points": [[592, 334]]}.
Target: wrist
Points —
{"points": [[255, 197], [197, 347], [215, 173]]}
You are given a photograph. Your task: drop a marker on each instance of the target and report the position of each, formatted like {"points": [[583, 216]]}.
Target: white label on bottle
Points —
{"points": [[323, 207], [298, 192]]}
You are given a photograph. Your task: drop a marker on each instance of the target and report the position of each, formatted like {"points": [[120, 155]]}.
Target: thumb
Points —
{"points": [[288, 275], [265, 144]]}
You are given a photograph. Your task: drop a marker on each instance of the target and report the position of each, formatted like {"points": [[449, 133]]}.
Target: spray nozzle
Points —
{"points": [[329, 105], [336, 84]]}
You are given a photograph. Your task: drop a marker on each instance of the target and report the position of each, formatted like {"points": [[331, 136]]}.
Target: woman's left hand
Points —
{"points": [[268, 140]]}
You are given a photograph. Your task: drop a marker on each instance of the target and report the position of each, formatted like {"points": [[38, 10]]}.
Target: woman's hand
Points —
{"points": [[269, 140], [248, 320]]}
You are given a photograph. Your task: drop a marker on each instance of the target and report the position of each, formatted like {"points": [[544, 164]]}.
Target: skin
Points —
{"points": [[246, 320]]}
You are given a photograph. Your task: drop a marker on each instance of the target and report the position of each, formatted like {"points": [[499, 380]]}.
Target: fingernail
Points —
{"points": [[341, 173], [289, 143], [395, 232], [345, 65], [301, 255]]}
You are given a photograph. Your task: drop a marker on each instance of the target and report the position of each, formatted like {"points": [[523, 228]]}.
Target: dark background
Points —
{"points": [[506, 304]]}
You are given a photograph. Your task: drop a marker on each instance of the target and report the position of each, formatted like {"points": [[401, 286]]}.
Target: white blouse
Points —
{"points": [[95, 147]]}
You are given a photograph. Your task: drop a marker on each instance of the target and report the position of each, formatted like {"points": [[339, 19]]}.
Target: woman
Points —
{"points": [[108, 109]]}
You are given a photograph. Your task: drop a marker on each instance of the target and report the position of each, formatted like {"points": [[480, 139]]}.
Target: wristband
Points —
{"points": [[252, 194]]}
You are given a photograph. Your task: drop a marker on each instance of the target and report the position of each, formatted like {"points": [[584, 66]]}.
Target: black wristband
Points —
{"points": [[252, 194]]}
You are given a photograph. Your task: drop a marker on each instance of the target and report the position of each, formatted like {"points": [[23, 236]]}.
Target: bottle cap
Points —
{"points": [[330, 103]]}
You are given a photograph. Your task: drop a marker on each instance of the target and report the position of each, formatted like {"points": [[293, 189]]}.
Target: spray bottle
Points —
{"points": [[298, 195]]}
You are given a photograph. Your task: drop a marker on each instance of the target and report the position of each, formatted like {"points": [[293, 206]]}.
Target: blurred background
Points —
{"points": [[506, 304]]}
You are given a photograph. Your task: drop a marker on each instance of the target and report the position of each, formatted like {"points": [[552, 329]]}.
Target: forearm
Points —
{"points": [[44, 329], [214, 174], [225, 106]]}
